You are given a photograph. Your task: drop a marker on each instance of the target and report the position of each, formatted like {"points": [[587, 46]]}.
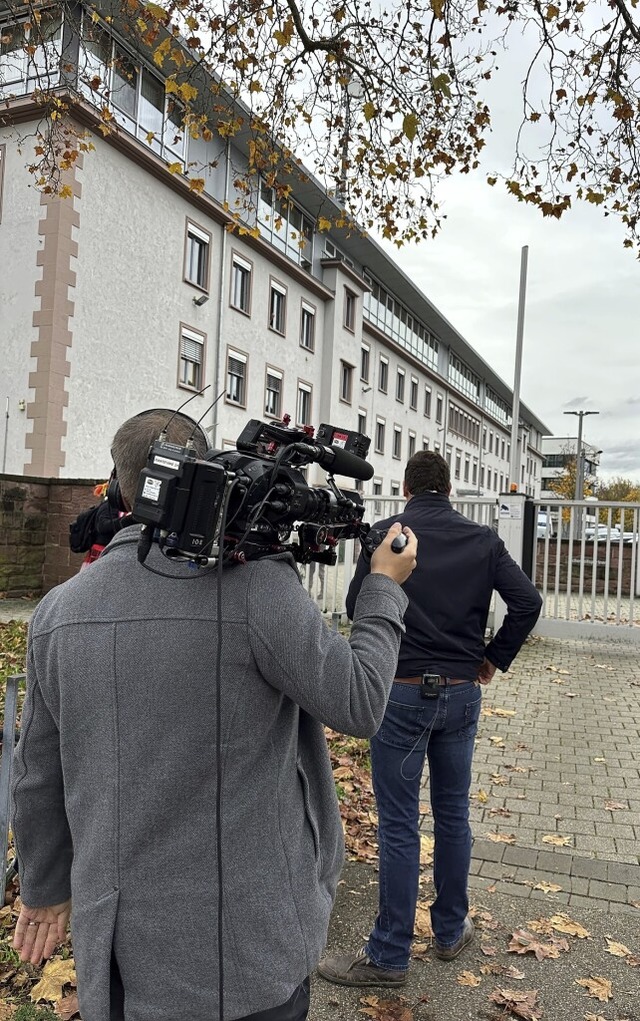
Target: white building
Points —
{"points": [[134, 294], [558, 452]]}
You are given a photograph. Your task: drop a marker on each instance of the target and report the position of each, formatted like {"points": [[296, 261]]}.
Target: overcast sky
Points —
{"points": [[582, 324]]}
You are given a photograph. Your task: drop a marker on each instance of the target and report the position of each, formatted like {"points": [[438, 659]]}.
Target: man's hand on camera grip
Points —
{"points": [[397, 566]]}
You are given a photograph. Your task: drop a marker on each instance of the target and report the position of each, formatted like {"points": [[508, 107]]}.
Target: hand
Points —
{"points": [[486, 672], [39, 930], [397, 566]]}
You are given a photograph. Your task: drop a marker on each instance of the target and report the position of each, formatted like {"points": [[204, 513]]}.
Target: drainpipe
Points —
{"points": [[223, 258]]}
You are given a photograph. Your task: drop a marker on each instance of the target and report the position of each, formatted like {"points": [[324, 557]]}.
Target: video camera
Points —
{"points": [[243, 504]]}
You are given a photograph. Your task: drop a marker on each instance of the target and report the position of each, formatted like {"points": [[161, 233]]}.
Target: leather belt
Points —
{"points": [[442, 681]]}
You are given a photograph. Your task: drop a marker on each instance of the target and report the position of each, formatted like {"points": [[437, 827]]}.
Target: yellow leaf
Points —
{"points": [[597, 986], [547, 887], [552, 12], [437, 6], [175, 168], [187, 92], [617, 949], [369, 111], [501, 838], [196, 184], [427, 845], [323, 224], [422, 926], [482, 796], [557, 840], [55, 975], [467, 978], [156, 11], [161, 52], [562, 923]]}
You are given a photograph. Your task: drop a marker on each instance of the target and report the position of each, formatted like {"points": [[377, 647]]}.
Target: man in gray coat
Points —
{"points": [[116, 772]]}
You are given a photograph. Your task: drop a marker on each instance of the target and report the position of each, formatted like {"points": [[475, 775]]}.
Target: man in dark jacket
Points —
{"points": [[434, 709]]}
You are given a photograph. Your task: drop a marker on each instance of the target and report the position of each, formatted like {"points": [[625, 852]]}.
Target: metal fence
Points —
{"points": [[587, 563]]}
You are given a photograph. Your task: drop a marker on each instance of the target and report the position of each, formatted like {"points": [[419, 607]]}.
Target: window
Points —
{"points": [[437, 448], [412, 444], [427, 401], [110, 76], [425, 443], [448, 455], [413, 394], [349, 310], [307, 326], [474, 474], [273, 393], [490, 442], [395, 489], [277, 307], [380, 427], [236, 377], [241, 284], [467, 465], [191, 359], [397, 441], [383, 374], [346, 381], [303, 409], [196, 257], [458, 462], [30, 54], [362, 422], [502, 445], [400, 385], [484, 438], [286, 226], [488, 478], [364, 364], [377, 491], [439, 411]]}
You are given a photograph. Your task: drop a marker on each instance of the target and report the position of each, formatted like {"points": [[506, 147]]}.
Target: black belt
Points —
{"points": [[444, 682]]}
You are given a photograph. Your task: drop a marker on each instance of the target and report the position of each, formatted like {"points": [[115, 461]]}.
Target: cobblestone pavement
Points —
{"points": [[555, 794]]}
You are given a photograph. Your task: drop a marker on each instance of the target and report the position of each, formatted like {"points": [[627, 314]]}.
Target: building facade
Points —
{"points": [[558, 453], [135, 292]]}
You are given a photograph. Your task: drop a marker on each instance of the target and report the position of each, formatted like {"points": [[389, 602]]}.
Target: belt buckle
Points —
{"points": [[430, 686]]}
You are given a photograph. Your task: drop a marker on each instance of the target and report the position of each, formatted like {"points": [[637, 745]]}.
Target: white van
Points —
{"points": [[544, 526]]}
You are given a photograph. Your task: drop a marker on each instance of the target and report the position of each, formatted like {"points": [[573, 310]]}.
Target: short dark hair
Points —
{"points": [[131, 443], [427, 472]]}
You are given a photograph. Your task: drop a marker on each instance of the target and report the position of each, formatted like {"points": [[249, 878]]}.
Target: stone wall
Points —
{"points": [[35, 515]]}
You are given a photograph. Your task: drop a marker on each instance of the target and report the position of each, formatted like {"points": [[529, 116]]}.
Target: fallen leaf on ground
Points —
{"points": [[523, 942], [499, 779], [594, 1017], [497, 741], [557, 840], [386, 1010], [427, 845], [617, 949], [614, 805], [55, 975], [6, 1012], [599, 760], [422, 924], [562, 923], [467, 978], [597, 986], [504, 812], [501, 838], [68, 1007], [522, 1004], [547, 887]]}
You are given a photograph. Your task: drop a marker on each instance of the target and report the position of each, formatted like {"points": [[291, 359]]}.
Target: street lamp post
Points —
{"points": [[579, 487]]}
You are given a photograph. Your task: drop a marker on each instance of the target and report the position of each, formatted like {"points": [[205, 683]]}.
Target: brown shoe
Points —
{"points": [[358, 970], [449, 953]]}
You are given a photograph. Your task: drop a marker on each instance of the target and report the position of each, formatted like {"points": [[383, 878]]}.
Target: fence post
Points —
{"points": [[511, 531], [6, 765], [335, 621]]}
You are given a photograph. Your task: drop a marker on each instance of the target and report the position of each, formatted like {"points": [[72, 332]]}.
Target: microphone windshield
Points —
{"points": [[345, 463]]}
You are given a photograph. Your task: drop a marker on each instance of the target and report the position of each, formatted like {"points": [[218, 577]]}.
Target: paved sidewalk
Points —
{"points": [[556, 782]]}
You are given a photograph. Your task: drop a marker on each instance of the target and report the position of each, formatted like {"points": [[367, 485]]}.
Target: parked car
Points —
{"points": [[544, 526], [601, 533]]}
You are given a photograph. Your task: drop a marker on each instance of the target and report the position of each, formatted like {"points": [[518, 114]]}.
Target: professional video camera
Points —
{"points": [[243, 504]]}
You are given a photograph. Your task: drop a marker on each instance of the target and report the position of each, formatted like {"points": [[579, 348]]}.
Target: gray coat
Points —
{"points": [[115, 777]]}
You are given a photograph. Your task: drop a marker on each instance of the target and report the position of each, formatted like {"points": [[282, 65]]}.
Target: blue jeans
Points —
{"points": [[444, 728]]}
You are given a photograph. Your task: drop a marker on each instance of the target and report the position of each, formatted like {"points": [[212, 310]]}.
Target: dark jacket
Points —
{"points": [[460, 563]]}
